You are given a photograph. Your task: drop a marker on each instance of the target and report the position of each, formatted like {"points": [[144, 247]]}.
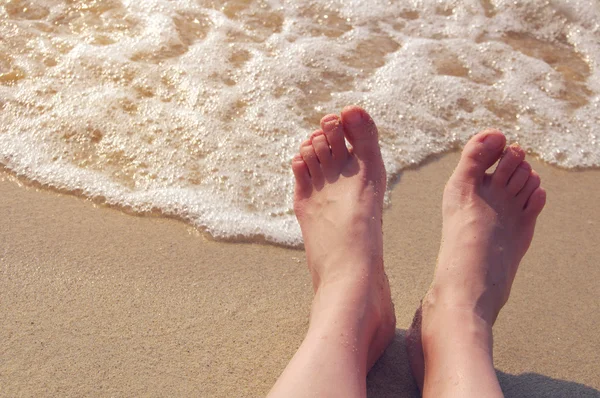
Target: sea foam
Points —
{"points": [[194, 109]]}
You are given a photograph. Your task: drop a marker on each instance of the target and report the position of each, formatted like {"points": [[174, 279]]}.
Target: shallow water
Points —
{"points": [[193, 108]]}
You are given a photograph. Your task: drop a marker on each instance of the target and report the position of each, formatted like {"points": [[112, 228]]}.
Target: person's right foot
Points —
{"points": [[488, 225], [338, 201]]}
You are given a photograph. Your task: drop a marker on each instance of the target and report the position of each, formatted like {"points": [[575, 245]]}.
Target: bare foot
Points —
{"points": [[488, 225], [338, 202]]}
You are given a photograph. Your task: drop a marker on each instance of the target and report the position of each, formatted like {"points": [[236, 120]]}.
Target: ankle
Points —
{"points": [[457, 355], [480, 301], [352, 279], [448, 325], [345, 305], [343, 298]]}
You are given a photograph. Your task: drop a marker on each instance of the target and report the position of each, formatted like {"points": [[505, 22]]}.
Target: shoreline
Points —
{"points": [[96, 302]]}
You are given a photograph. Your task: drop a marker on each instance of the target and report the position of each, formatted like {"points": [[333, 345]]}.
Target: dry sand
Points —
{"points": [[94, 302]]}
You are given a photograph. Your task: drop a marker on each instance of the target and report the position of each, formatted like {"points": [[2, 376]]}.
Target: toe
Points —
{"points": [[321, 147], [303, 183], [536, 202], [533, 182], [479, 154], [312, 162], [519, 178], [332, 127], [511, 159], [361, 132]]}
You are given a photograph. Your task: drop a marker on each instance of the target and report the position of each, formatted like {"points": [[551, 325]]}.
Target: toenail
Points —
{"points": [[516, 148], [525, 166], [331, 124], [493, 141], [353, 117], [317, 135], [511, 150], [329, 119]]}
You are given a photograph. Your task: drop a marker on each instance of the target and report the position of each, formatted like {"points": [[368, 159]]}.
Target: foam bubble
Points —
{"points": [[194, 109]]}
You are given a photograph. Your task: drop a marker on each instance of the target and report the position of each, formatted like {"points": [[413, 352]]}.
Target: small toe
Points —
{"points": [[319, 143], [303, 183], [361, 132], [536, 202], [334, 131], [479, 154], [519, 178], [312, 162], [533, 182], [510, 160]]}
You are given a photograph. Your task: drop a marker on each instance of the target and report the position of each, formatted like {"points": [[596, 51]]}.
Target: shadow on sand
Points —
{"points": [[391, 377]]}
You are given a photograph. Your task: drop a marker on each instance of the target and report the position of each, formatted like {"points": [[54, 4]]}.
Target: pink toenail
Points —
{"points": [[316, 135], [354, 117], [331, 124], [525, 166], [329, 118], [493, 141]]}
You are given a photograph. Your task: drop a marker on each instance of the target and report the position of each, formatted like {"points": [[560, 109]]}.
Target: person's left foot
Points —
{"points": [[338, 201], [488, 225]]}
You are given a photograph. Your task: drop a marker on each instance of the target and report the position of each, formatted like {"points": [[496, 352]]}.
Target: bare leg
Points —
{"points": [[488, 224], [338, 202]]}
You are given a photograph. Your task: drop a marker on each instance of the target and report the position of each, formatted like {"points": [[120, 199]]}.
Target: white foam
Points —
{"points": [[195, 111]]}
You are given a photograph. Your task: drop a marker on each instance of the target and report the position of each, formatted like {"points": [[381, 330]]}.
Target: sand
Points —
{"points": [[94, 302]]}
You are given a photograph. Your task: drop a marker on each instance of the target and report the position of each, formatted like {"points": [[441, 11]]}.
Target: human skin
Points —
{"points": [[488, 224], [338, 201]]}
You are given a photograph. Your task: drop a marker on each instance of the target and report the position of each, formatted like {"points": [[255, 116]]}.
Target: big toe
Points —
{"points": [[361, 132], [480, 153]]}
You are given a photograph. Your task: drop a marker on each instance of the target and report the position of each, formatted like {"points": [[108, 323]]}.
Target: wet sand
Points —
{"points": [[94, 302]]}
